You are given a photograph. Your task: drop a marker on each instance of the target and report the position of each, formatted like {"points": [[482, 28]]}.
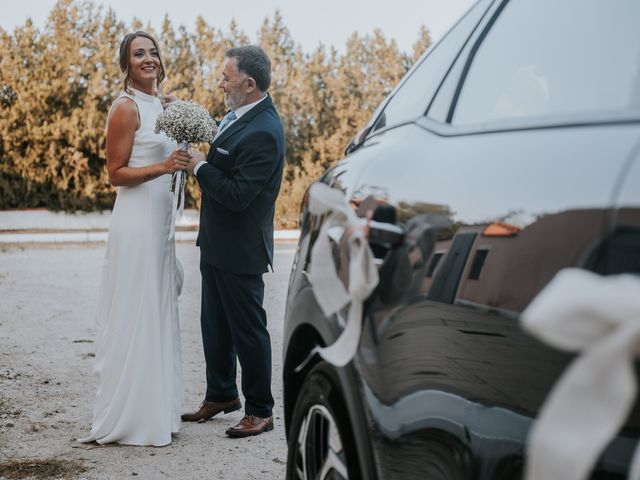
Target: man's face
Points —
{"points": [[233, 85]]}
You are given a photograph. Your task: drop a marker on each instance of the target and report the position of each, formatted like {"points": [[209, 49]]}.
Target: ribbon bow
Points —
{"points": [[600, 316], [177, 194], [327, 286]]}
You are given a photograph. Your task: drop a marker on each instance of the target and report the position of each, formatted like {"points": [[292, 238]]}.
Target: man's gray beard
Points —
{"points": [[233, 104], [230, 103]]}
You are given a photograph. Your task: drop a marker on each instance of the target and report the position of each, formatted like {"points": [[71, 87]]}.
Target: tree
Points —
{"points": [[53, 137], [422, 44], [57, 85]]}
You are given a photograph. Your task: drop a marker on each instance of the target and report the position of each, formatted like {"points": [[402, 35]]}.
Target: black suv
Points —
{"points": [[518, 134]]}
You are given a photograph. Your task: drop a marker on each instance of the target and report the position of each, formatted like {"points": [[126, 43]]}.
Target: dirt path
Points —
{"points": [[47, 300]]}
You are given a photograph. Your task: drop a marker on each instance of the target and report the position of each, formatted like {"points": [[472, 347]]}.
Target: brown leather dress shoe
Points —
{"points": [[250, 426], [209, 410]]}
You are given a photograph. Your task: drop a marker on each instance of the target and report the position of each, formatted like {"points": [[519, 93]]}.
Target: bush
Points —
{"points": [[57, 85]]}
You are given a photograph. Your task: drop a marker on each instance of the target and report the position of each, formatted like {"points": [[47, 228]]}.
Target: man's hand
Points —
{"points": [[165, 100], [196, 157]]}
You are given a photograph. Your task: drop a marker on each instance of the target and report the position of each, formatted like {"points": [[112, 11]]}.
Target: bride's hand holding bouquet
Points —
{"points": [[177, 161]]}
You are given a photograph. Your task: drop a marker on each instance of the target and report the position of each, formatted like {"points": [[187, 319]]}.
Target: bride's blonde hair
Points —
{"points": [[125, 48]]}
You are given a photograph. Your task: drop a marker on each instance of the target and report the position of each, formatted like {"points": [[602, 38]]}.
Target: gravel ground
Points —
{"points": [[47, 302]]}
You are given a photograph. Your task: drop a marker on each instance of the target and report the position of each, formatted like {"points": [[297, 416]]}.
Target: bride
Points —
{"points": [[138, 361]]}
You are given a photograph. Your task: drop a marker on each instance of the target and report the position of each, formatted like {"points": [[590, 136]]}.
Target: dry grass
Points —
{"points": [[4, 407], [7, 411], [41, 468]]}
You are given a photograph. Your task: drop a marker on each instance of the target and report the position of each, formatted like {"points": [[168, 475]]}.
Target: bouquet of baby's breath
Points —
{"points": [[186, 123]]}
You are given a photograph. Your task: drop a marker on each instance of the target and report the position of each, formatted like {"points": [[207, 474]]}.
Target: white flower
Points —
{"points": [[186, 122]]}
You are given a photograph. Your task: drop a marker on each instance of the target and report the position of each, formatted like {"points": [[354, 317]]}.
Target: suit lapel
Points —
{"points": [[230, 130], [239, 124]]}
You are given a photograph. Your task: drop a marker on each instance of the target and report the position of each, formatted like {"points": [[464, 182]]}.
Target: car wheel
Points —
{"points": [[320, 440]]}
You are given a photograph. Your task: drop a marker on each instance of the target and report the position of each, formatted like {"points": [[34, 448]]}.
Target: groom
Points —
{"points": [[240, 180]]}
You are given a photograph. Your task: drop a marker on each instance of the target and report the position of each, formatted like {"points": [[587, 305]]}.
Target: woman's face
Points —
{"points": [[144, 61]]}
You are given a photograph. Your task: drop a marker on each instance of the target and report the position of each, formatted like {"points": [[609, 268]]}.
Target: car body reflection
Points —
{"points": [[504, 166]]}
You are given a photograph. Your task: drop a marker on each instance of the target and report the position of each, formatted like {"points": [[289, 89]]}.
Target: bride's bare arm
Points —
{"points": [[121, 128]]}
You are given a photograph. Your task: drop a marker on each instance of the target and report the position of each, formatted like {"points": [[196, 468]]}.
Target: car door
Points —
{"points": [[524, 160], [620, 251]]}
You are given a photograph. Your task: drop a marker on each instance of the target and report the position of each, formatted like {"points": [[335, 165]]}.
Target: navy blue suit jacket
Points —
{"points": [[240, 183]]}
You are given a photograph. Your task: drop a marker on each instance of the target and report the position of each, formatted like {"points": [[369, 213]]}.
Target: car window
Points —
{"points": [[440, 105], [413, 96], [548, 58]]}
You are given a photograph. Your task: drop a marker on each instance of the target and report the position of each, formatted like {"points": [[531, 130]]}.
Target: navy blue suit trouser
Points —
{"points": [[234, 324]]}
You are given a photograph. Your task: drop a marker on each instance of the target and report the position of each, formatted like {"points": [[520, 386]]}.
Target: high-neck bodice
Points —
{"points": [[148, 147]]}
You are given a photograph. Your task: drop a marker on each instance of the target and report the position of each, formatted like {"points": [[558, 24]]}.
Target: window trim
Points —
{"points": [[383, 105], [514, 125], [469, 60], [457, 56]]}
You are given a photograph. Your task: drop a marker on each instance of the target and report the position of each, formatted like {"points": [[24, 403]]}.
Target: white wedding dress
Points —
{"points": [[138, 359]]}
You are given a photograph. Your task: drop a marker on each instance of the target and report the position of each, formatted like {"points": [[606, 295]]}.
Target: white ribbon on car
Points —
{"points": [[599, 316], [327, 286], [177, 194]]}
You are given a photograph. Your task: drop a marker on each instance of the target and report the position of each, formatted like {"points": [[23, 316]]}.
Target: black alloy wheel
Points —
{"points": [[320, 441]]}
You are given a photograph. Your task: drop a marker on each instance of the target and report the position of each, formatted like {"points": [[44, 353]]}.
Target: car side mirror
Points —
{"points": [[403, 268], [358, 139]]}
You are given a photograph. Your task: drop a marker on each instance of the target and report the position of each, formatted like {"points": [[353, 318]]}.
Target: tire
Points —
{"points": [[321, 445]]}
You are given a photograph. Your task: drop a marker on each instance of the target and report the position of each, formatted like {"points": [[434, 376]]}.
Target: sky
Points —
{"points": [[329, 22]]}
